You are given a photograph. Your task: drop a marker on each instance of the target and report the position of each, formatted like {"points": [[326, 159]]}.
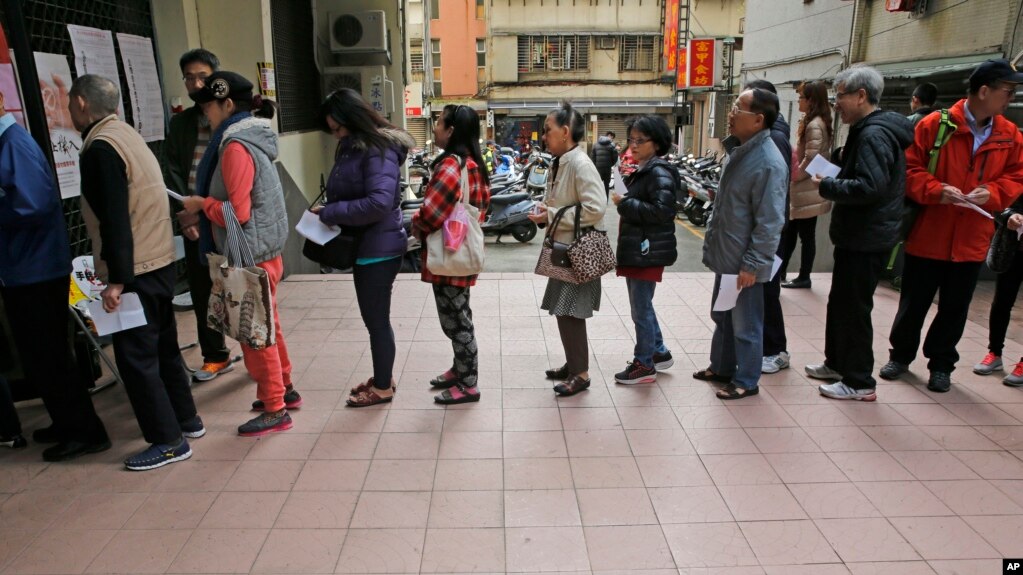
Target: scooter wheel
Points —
{"points": [[525, 234], [698, 217]]}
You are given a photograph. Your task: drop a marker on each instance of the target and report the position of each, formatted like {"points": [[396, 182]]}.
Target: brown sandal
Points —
{"points": [[370, 397], [574, 385], [367, 386], [708, 375], [736, 392]]}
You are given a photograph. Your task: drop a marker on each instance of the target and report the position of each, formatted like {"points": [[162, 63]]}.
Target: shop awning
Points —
{"points": [[933, 66], [584, 106]]}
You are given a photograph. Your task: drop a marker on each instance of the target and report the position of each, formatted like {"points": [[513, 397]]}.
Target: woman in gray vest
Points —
{"points": [[238, 168]]}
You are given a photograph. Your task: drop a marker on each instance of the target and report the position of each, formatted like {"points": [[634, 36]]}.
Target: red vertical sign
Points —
{"points": [[682, 79], [670, 36], [701, 62]]}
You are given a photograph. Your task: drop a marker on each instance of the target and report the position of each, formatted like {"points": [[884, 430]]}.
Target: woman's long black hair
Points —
{"points": [[465, 137], [348, 109]]}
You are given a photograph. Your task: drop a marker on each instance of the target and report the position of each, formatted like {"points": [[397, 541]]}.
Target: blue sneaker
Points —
{"points": [[157, 456], [193, 428]]}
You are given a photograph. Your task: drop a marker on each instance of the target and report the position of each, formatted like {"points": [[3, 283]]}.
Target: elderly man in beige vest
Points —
{"points": [[126, 212]]}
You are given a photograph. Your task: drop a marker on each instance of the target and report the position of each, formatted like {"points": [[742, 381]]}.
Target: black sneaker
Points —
{"points": [[46, 435], [636, 373], [663, 361], [939, 382], [193, 428], [292, 400], [266, 423], [158, 456], [13, 441], [893, 370]]}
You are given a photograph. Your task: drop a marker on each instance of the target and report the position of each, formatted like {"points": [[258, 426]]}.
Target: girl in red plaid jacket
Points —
{"points": [[457, 131]]}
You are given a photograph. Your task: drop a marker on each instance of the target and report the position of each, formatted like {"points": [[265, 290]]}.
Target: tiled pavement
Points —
{"points": [[643, 479]]}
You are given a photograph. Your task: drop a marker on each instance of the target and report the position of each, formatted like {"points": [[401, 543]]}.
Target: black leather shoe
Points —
{"points": [[73, 449], [46, 435], [939, 382], [798, 283], [560, 373]]}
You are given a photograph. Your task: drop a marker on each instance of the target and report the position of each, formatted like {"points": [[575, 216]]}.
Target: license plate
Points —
{"points": [[416, 180], [540, 170]]}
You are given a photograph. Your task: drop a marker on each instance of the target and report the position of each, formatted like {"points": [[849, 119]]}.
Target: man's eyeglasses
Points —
{"points": [[737, 110], [840, 94], [637, 141], [195, 77]]}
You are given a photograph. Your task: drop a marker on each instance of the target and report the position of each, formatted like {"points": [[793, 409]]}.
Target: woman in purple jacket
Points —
{"points": [[363, 192]]}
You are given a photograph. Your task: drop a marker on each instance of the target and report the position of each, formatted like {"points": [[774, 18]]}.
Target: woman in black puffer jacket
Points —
{"points": [[646, 241]]}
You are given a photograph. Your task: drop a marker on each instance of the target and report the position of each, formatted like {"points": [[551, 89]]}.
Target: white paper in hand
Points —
{"points": [[128, 315], [175, 195], [775, 266], [620, 189], [728, 293], [311, 228], [822, 168], [976, 208]]}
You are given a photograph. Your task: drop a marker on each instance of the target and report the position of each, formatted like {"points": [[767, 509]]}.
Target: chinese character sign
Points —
{"points": [[702, 62], [682, 79], [670, 36]]}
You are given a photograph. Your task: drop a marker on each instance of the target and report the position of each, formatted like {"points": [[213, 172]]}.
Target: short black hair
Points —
{"points": [[610, 134], [200, 55], [653, 127], [763, 85], [927, 93], [765, 102], [566, 115]]}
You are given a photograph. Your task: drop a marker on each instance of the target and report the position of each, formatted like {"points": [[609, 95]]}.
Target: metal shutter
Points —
{"points": [[419, 128]]}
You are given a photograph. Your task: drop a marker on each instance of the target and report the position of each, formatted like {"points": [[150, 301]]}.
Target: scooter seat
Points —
{"points": [[508, 199], [412, 204]]}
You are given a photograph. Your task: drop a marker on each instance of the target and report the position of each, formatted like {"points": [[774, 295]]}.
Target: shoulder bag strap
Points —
{"points": [[945, 130], [238, 252], [556, 221]]}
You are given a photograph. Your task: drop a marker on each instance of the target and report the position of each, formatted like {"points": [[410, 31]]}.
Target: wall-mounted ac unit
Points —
{"points": [[555, 63], [606, 42], [370, 81], [358, 32]]}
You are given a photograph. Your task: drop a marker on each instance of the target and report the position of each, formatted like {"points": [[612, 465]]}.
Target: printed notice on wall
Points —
{"points": [[143, 85], [94, 54], [54, 83]]}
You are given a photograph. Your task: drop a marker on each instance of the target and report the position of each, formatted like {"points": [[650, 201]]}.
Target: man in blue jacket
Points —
{"points": [[35, 268]]}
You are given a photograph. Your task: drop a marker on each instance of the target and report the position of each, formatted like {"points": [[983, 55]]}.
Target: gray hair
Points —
{"points": [[862, 78], [101, 93]]}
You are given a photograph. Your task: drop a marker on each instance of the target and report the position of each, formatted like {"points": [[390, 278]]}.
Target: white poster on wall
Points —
{"points": [[94, 54], [54, 83], [143, 85]]}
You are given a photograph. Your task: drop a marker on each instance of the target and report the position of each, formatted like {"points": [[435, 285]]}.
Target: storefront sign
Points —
{"points": [[702, 62], [682, 78], [671, 43], [414, 100]]}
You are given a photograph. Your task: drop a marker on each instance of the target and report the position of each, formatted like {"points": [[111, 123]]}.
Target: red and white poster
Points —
{"points": [[702, 62], [671, 44], [9, 83], [54, 83]]}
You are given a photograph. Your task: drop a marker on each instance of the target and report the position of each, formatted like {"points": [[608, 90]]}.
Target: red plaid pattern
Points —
{"points": [[442, 193]]}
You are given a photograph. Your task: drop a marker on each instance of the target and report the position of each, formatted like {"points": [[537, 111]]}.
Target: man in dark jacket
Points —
{"points": [[605, 156], [868, 195], [35, 268], [186, 142], [922, 102]]}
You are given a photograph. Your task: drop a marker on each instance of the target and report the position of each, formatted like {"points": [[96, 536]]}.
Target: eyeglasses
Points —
{"points": [[1010, 90], [737, 110], [637, 141], [840, 94], [193, 78]]}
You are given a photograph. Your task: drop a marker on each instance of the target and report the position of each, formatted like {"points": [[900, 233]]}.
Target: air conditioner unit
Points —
{"points": [[606, 43], [370, 81], [358, 32], [555, 63]]}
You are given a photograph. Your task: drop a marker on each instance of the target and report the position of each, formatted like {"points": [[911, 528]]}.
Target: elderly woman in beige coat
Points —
{"points": [[575, 183], [806, 204]]}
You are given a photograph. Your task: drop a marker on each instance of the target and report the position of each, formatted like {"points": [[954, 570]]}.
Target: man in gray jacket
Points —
{"points": [[741, 240]]}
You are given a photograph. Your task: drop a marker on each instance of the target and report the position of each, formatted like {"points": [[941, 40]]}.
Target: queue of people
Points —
{"points": [[221, 154]]}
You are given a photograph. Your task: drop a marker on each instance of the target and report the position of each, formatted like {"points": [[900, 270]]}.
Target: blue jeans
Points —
{"points": [[737, 348], [648, 333]]}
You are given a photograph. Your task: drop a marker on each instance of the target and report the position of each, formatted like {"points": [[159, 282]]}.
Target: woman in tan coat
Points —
{"points": [[814, 138]]}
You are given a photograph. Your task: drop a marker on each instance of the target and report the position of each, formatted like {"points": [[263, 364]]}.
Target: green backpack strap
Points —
{"points": [[946, 128]]}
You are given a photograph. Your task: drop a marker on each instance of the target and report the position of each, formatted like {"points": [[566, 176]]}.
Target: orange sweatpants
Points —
{"points": [[270, 366]]}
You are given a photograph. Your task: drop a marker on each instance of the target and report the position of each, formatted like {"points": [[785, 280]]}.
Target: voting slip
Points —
{"points": [[311, 228], [127, 316]]}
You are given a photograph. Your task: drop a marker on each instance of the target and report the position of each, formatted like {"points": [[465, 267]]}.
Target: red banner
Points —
{"points": [[670, 36], [702, 54], [682, 79]]}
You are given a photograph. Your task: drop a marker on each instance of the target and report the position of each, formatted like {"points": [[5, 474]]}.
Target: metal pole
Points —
{"points": [[32, 98]]}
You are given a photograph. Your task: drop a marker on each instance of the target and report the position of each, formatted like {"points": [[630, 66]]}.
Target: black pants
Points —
{"points": [[922, 278], [456, 321], [775, 340], [805, 230], [1006, 289], [373, 286], [849, 333], [38, 315], [150, 361], [211, 341], [573, 338], [10, 425]]}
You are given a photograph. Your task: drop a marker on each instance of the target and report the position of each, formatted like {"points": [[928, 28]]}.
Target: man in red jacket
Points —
{"points": [[980, 165]]}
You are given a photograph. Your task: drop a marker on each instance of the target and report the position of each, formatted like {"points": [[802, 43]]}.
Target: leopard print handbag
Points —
{"points": [[554, 261], [591, 255]]}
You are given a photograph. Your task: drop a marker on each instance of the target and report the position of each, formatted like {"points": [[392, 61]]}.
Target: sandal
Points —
{"points": [[574, 385], [371, 397], [735, 392], [458, 393], [368, 386], [445, 380], [708, 375], [560, 374]]}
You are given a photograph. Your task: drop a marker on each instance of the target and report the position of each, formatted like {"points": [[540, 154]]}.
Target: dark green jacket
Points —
{"points": [[179, 149]]}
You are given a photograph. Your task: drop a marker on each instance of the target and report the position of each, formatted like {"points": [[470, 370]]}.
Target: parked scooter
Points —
{"points": [[537, 172], [418, 172], [509, 214]]}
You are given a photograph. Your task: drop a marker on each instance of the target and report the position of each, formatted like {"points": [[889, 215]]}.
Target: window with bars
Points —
{"points": [[416, 61], [435, 57], [637, 54], [481, 63], [554, 53]]}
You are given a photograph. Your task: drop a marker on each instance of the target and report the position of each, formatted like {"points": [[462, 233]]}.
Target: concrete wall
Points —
{"points": [[538, 16], [457, 28]]}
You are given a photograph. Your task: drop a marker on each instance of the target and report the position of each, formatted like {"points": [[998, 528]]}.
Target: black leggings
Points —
{"points": [[1006, 289], [806, 231], [373, 286]]}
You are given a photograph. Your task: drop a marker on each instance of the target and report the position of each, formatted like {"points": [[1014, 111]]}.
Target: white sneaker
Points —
{"points": [[775, 363], [821, 371], [839, 390]]}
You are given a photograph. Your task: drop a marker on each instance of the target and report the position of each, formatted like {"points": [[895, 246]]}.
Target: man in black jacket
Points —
{"points": [[868, 195], [605, 156], [186, 142], [922, 103]]}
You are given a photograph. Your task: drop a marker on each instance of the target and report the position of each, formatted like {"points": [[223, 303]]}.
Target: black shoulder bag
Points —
{"points": [[340, 252]]}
